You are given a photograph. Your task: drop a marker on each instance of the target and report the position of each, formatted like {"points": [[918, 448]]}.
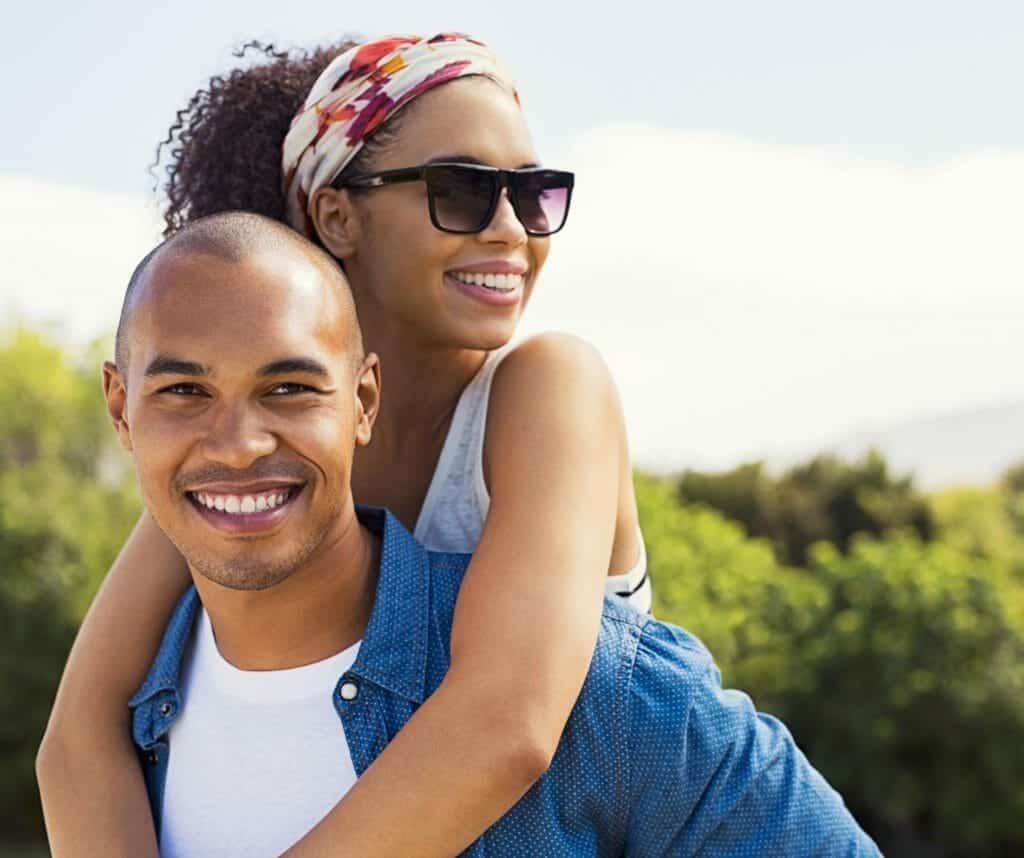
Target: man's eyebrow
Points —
{"points": [[287, 366], [170, 365], [469, 159]]}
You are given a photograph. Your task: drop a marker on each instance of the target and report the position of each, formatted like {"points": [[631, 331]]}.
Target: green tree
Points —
{"points": [[898, 665], [983, 522], [824, 499], [67, 502], [727, 589], [1013, 479], [922, 653], [1012, 484]]}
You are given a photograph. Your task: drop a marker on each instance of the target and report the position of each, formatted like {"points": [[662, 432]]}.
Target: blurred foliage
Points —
{"points": [[67, 502], [824, 499], [985, 522], [883, 626], [1013, 480], [898, 665]]}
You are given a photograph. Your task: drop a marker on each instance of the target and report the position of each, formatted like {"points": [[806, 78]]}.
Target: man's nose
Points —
{"points": [[238, 437]]}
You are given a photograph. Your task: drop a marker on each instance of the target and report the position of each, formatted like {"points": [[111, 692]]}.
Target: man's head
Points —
{"points": [[241, 388]]}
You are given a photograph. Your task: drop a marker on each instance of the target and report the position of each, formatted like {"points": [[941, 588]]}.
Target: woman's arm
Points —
{"points": [[94, 797], [526, 619]]}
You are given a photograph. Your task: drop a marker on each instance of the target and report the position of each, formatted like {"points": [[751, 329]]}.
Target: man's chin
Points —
{"points": [[246, 562], [244, 572]]}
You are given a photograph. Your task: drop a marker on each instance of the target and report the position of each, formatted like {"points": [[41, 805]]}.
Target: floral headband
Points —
{"points": [[356, 93]]}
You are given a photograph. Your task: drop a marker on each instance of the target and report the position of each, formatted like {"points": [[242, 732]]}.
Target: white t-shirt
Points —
{"points": [[257, 758]]}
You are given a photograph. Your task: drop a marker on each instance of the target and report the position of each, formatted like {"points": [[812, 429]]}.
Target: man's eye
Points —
{"points": [[183, 389], [286, 388]]}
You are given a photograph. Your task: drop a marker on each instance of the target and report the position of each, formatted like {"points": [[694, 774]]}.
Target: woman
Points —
{"points": [[517, 454]]}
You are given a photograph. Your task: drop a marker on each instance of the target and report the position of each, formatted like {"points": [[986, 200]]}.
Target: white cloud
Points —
{"points": [[750, 298], [758, 299], [68, 253]]}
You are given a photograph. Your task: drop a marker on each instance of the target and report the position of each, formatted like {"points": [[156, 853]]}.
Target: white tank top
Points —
{"points": [[457, 501]]}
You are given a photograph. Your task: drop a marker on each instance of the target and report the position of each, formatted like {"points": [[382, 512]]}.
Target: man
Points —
{"points": [[320, 629]]}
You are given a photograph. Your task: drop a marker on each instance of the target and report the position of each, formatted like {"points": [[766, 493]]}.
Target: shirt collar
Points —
{"points": [[164, 674], [393, 653]]}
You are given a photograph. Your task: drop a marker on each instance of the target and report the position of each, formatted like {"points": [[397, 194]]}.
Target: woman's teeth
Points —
{"points": [[497, 282], [243, 504]]}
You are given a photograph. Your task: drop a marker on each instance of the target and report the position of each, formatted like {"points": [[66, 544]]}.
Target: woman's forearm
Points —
{"points": [[93, 794], [459, 764], [94, 801]]}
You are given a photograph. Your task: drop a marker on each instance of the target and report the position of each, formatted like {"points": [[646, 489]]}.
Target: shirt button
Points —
{"points": [[166, 709], [348, 691]]}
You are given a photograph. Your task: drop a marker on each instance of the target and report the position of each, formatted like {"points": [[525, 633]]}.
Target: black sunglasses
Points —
{"points": [[463, 197]]}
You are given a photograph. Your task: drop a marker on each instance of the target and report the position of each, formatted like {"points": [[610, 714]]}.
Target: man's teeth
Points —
{"points": [[498, 282], [243, 504]]}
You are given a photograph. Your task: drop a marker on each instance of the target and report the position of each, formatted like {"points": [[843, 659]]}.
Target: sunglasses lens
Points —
{"points": [[542, 200], [461, 197]]}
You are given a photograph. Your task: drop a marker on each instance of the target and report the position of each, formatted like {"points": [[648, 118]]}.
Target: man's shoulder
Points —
{"points": [[666, 676], [653, 680], [635, 653], [655, 672], [626, 631], [624, 634]]}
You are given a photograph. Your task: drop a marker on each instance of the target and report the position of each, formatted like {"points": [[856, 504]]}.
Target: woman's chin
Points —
{"points": [[486, 336]]}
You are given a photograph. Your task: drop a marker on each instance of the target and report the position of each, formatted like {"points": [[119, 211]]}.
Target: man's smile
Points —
{"points": [[245, 511]]}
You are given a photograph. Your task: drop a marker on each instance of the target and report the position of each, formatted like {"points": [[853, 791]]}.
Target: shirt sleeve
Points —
{"points": [[711, 776]]}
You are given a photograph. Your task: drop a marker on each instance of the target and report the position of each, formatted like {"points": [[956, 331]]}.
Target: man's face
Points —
{"points": [[244, 401]]}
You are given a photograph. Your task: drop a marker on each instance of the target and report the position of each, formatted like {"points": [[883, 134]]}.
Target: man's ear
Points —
{"points": [[336, 221], [367, 398], [116, 393]]}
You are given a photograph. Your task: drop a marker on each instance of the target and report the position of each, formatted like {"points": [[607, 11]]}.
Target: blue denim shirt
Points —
{"points": [[656, 758]]}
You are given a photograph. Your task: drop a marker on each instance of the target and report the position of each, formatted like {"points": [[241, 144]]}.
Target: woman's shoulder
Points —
{"points": [[552, 349], [551, 364], [551, 393]]}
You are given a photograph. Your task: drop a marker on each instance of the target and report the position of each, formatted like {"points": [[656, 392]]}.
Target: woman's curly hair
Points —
{"points": [[223, 151]]}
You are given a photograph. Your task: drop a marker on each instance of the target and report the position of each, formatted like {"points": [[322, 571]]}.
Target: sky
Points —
{"points": [[792, 220]]}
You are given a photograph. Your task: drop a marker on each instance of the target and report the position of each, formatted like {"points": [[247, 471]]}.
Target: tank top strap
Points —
{"points": [[457, 500]]}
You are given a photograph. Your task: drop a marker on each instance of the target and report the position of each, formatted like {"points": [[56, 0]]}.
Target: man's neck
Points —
{"points": [[319, 610]]}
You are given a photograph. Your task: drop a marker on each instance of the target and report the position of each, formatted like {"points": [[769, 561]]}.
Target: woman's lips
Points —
{"points": [[496, 289], [493, 266]]}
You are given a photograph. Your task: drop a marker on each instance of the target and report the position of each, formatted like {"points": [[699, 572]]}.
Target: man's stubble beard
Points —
{"points": [[251, 573]]}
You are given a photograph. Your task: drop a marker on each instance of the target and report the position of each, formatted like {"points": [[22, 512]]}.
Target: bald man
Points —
{"points": [[312, 635], [241, 389]]}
